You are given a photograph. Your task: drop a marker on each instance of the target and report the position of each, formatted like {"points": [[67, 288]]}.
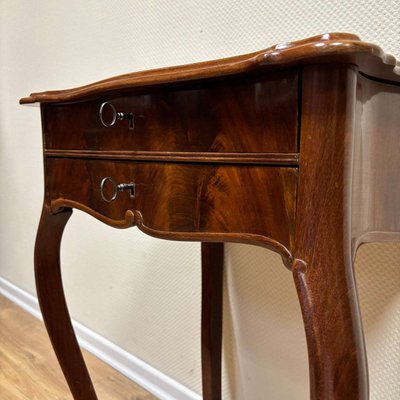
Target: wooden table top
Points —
{"points": [[330, 47]]}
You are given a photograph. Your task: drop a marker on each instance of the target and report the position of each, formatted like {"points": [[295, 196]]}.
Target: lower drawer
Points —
{"points": [[173, 197]]}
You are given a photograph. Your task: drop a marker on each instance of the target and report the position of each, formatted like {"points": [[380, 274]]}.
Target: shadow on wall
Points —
{"points": [[378, 282], [265, 352], [264, 342]]}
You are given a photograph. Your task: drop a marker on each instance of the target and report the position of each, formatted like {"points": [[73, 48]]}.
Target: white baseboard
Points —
{"points": [[154, 381]]}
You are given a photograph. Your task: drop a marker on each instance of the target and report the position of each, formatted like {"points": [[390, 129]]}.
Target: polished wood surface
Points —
{"points": [[294, 148], [52, 303], [171, 197], [234, 116], [29, 368], [212, 260], [323, 269], [329, 47], [286, 159]]}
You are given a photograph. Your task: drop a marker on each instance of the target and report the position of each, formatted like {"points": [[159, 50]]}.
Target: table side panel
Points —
{"points": [[376, 187]]}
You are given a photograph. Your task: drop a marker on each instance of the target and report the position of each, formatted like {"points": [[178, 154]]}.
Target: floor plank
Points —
{"points": [[29, 369]]}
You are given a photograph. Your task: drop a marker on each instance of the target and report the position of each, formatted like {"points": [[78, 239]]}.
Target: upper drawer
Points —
{"points": [[254, 114]]}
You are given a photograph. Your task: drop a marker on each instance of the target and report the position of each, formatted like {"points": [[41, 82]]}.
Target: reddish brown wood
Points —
{"points": [[214, 158], [330, 47], [212, 260], [286, 159], [240, 116], [183, 198], [53, 306], [323, 268]]}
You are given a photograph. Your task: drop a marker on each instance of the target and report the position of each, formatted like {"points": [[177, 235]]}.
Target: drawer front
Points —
{"points": [[173, 197], [247, 115]]}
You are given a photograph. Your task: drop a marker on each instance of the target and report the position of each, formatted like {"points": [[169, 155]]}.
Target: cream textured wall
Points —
{"points": [[142, 293]]}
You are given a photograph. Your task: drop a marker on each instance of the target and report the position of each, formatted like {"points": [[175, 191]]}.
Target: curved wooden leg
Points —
{"points": [[53, 306], [212, 258], [337, 360], [323, 269]]}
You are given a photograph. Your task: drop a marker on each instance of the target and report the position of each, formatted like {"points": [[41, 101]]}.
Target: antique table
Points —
{"points": [[294, 148]]}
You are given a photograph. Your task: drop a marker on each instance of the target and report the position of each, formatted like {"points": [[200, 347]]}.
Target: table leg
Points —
{"points": [[212, 258], [53, 306], [323, 268], [337, 360]]}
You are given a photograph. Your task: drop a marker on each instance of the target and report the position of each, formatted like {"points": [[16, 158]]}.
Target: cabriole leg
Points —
{"points": [[53, 306], [328, 299], [323, 268]]}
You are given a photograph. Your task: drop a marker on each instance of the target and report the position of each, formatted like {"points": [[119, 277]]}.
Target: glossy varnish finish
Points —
{"points": [[54, 308], [236, 116], [323, 269], [183, 198], [330, 47], [212, 260], [287, 159], [292, 148]]}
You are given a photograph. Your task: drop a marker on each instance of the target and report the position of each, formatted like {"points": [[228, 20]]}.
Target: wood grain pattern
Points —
{"points": [[30, 371], [330, 47], [184, 198], [234, 116], [323, 269], [215, 157], [286, 159], [212, 261], [53, 305]]}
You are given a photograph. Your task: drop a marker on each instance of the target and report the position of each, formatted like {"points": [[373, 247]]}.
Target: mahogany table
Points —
{"points": [[294, 148]]}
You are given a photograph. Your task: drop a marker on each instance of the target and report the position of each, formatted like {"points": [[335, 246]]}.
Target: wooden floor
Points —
{"points": [[29, 369]]}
